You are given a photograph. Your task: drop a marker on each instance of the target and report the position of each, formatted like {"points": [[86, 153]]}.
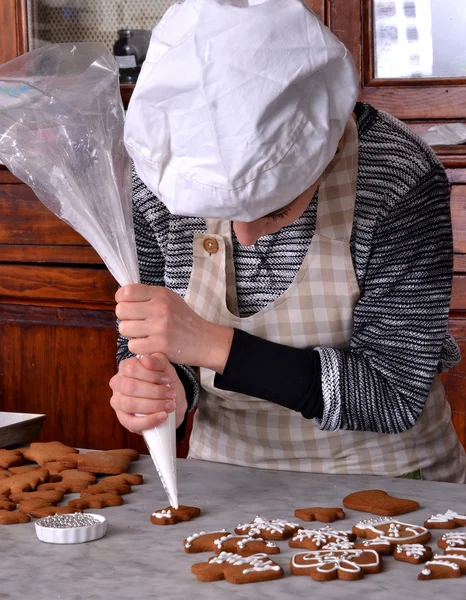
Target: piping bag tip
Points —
{"points": [[161, 443]]}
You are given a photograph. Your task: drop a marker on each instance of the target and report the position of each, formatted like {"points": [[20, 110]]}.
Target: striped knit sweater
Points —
{"points": [[401, 247]]}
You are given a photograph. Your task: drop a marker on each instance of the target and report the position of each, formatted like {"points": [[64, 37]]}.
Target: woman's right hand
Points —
{"points": [[150, 387]]}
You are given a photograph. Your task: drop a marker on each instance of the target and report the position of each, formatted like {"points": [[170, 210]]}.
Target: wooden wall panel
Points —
{"points": [[455, 380]]}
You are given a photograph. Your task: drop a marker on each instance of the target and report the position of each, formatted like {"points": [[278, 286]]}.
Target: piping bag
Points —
{"points": [[61, 132]]}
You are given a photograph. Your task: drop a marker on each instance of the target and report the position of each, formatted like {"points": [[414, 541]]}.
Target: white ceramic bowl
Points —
{"points": [[72, 535]]}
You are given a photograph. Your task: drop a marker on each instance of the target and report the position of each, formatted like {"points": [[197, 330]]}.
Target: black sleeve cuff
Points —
{"points": [[284, 375], [190, 397]]}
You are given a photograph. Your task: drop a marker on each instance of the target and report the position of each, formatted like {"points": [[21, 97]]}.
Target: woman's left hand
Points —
{"points": [[157, 319]]}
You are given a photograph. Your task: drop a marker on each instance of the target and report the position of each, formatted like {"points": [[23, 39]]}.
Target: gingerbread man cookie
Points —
{"points": [[317, 513], [315, 539], [325, 565], [394, 531], [447, 520], [171, 516], [275, 529], [238, 569]]}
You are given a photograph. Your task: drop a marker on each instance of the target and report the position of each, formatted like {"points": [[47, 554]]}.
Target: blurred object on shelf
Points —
{"points": [[130, 52]]}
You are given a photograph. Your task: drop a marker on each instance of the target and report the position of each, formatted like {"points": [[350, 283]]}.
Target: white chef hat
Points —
{"points": [[239, 106]]}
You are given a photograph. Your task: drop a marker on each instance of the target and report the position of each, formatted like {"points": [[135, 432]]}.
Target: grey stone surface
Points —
{"points": [[138, 560]]}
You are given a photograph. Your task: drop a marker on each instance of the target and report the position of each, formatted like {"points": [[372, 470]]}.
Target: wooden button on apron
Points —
{"points": [[210, 245]]}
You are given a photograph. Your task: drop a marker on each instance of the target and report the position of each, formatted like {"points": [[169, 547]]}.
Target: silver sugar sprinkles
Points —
{"points": [[60, 521]]}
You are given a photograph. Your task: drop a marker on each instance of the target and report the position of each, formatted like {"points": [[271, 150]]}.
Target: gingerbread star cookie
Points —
{"points": [[275, 529], [315, 539]]}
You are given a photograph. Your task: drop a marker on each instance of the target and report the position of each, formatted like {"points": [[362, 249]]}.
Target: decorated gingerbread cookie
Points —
{"points": [[317, 513], [447, 520], [380, 544], [315, 539], [325, 565], [170, 515], [275, 529], [443, 567], [413, 553], [204, 541], [244, 545], [238, 569], [453, 539], [379, 502], [394, 531]]}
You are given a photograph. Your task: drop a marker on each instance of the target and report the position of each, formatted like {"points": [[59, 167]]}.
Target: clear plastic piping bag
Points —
{"points": [[61, 132]]}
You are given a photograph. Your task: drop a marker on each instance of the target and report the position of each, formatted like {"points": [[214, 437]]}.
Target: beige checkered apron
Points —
{"points": [[316, 310]]}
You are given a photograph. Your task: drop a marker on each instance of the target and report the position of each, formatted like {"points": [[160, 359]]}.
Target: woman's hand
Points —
{"points": [[158, 320], [149, 386]]}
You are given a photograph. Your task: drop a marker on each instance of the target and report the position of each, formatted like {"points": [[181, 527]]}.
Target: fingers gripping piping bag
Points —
{"points": [[61, 132]]}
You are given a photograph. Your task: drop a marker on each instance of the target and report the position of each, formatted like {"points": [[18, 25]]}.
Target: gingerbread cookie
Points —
{"points": [[413, 553], [238, 569], [23, 482], [133, 455], [126, 478], [379, 502], [244, 545], [394, 531], [442, 567], [447, 520], [53, 496], [117, 488], [6, 504], [315, 539], [204, 541], [453, 539], [325, 565], [171, 516], [27, 506], [43, 452], [98, 501], [275, 529], [48, 511], [105, 463], [379, 544], [4, 473], [317, 513], [13, 517], [10, 458]]}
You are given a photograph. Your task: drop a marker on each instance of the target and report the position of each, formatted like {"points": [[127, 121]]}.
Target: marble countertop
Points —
{"points": [[138, 560]]}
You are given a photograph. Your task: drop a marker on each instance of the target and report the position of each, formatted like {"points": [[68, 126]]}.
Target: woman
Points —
{"points": [[293, 244]]}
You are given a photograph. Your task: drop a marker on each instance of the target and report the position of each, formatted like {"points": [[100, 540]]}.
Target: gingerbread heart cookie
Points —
{"points": [[326, 565], [379, 502]]}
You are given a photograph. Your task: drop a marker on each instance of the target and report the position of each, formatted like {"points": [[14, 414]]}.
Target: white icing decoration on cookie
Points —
{"points": [[258, 562], [338, 546], [274, 526], [378, 541], [396, 529], [322, 536], [450, 515], [190, 539], [454, 538], [414, 550], [439, 559], [321, 560], [163, 514]]}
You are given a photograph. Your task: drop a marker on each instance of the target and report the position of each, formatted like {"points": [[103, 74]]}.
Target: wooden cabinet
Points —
{"points": [[57, 330]]}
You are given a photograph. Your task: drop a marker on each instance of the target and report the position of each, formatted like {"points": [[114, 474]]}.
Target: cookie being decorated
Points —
{"points": [[171, 516], [447, 520], [394, 531], [315, 539], [379, 502], [325, 565], [275, 529], [244, 545], [317, 513], [413, 553], [238, 569]]}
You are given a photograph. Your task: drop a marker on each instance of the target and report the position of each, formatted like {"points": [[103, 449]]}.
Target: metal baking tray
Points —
{"points": [[19, 428]]}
